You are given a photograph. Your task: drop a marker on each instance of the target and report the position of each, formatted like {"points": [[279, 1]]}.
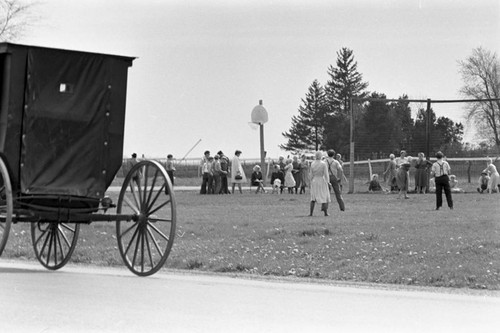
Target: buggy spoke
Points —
{"points": [[60, 244], [142, 250], [131, 205], [153, 184], [159, 232], [155, 219], [145, 190], [128, 229], [159, 207], [153, 239], [40, 237], [49, 251], [156, 197], [42, 250], [67, 227], [131, 239], [148, 247], [136, 247], [65, 238], [134, 195]]}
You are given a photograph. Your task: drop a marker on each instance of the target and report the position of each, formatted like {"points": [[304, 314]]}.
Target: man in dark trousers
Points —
{"points": [[335, 171], [224, 165]]}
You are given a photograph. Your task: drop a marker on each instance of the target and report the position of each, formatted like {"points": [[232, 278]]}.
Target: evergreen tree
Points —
{"points": [[402, 125], [307, 131], [374, 136], [345, 82]]}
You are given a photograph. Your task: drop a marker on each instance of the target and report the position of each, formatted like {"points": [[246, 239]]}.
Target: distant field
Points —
{"points": [[378, 239]]}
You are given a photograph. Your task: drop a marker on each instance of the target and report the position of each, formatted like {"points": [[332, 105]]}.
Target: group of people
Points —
{"points": [[489, 181], [215, 171], [398, 174]]}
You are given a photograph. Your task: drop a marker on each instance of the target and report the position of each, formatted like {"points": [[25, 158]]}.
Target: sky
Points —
{"points": [[202, 66]]}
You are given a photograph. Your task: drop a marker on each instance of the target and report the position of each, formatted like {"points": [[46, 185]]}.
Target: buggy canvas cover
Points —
{"points": [[62, 119]]}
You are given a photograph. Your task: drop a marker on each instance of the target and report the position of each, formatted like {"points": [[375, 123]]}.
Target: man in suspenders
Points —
{"points": [[440, 171], [334, 171]]}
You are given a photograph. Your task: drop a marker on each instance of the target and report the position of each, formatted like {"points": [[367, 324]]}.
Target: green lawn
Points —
{"points": [[378, 239]]}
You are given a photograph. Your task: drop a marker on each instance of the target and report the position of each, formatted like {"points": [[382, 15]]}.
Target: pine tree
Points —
{"points": [[345, 82], [307, 131]]}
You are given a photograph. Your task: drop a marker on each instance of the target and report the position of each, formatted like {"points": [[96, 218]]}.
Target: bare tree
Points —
{"points": [[14, 18], [481, 78]]}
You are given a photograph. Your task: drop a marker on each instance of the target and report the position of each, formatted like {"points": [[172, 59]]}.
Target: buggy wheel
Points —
{"points": [[146, 241], [54, 242], [6, 205]]}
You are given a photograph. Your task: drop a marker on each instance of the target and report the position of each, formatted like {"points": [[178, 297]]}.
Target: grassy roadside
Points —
{"points": [[379, 239]]}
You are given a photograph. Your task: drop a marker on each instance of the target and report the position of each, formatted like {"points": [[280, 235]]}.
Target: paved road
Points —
{"points": [[113, 300]]}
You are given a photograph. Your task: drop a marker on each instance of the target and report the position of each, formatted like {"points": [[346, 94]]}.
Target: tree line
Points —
{"points": [[382, 127]]}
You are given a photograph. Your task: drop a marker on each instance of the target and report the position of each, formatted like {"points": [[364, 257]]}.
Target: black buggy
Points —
{"points": [[62, 116]]}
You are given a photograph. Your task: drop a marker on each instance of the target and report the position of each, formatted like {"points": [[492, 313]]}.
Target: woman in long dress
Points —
{"points": [[390, 173], [320, 179], [402, 179], [237, 169], [289, 180], [421, 173]]}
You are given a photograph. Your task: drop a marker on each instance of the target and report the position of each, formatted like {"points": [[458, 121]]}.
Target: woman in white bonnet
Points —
{"points": [[320, 192], [390, 173], [494, 176]]}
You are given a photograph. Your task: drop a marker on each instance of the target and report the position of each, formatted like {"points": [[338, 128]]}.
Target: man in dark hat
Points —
{"points": [[224, 165], [130, 164]]}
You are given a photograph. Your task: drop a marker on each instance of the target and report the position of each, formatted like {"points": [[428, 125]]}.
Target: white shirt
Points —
{"points": [[440, 168], [333, 166]]}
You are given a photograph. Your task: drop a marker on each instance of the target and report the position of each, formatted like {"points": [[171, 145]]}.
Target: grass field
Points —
{"points": [[378, 239]]}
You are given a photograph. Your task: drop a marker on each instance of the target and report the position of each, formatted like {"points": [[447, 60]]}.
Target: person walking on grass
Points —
{"points": [[237, 173], [440, 171], [320, 192], [390, 173], [334, 172], [402, 179]]}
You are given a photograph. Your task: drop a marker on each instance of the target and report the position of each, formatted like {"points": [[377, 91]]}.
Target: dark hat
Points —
{"points": [[134, 155], [220, 153], [237, 152]]}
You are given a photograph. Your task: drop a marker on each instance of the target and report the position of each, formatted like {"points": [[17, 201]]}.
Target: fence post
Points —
{"points": [[469, 164]]}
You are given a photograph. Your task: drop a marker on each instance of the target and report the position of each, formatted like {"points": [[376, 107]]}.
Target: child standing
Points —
{"points": [[277, 178], [289, 180]]}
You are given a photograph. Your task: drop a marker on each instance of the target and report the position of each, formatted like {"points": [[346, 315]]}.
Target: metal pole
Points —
{"points": [[262, 153], [428, 129], [351, 154]]}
